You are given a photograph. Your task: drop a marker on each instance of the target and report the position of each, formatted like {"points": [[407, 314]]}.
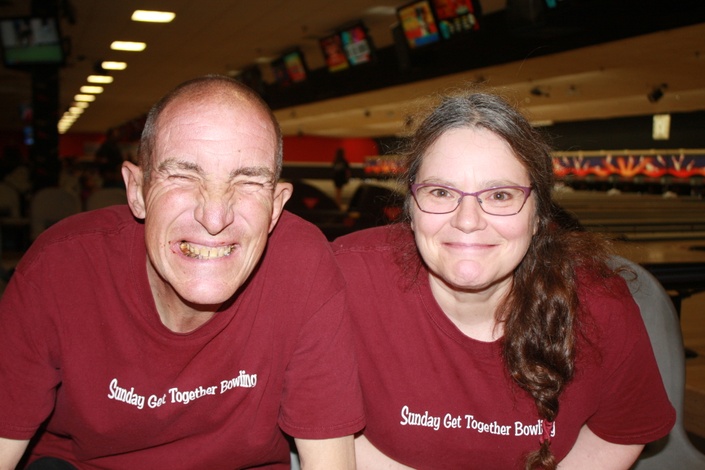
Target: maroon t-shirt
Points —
{"points": [[436, 398], [80, 335]]}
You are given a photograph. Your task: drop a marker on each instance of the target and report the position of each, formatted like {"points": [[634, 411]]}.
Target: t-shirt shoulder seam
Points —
{"points": [[363, 249], [357, 423]]}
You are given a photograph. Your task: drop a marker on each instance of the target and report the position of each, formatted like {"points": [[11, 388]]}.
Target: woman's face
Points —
{"points": [[468, 249]]}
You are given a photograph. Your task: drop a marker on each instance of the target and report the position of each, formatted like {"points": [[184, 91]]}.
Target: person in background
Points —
{"points": [[489, 334], [109, 152], [187, 330], [341, 174], [109, 158], [16, 173], [70, 176]]}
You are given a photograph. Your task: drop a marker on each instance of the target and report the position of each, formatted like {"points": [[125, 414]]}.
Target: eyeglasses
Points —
{"points": [[438, 199]]}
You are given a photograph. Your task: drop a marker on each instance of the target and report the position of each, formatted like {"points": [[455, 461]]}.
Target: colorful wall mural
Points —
{"points": [[626, 165], [678, 164]]}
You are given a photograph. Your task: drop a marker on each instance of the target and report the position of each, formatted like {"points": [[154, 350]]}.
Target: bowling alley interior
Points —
{"points": [[617, 89]]}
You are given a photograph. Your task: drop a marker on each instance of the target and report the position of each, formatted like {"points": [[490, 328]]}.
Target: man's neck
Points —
{"points": [[184, 322], [175, 313]]}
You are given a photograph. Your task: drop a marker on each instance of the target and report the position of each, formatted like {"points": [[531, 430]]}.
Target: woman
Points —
{"points": [[490, 335]]}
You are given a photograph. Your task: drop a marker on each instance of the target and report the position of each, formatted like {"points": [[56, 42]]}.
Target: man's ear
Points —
{"points": [[282, 193], [134, 181]]}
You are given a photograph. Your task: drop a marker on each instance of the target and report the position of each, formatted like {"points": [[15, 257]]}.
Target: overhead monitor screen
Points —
{"points": [[419, 24], [455, 17], [31, 41]]}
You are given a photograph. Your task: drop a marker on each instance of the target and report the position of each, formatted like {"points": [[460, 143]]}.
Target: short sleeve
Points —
{"points": [[633, 405], [322, 397], [29, 368]]}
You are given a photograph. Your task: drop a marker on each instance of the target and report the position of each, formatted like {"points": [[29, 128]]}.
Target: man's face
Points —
{"points": [[210, 202]]}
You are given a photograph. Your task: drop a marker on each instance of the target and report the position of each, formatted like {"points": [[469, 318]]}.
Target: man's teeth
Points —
{"points": [[205, 252]]}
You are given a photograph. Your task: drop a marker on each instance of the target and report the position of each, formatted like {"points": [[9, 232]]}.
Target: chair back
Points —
{"points": [[48, 206], [376, 205], [674, 451], [9, 201], [105, 197]]}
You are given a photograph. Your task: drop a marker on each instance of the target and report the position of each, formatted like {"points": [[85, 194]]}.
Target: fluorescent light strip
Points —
{"points": [[86, 98], [100, 79], [112, 65], [153, 16], [128, 46], [91, 89]]}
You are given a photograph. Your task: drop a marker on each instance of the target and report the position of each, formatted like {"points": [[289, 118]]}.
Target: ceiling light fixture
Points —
{"points": [[86, 98], [150, 16], [91, 89], [381, 11], [112, 65], [100, 79], [130, 46]]}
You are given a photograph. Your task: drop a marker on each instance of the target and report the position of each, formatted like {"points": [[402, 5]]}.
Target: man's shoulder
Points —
{"points": [[292, 230], [109, 219], [83, 231]]}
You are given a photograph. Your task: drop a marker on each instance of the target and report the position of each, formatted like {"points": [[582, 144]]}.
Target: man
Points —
{"points": [[169, 337]]}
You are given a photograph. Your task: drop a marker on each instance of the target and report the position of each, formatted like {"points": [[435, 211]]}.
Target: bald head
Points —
{"points": [[197, 92]]}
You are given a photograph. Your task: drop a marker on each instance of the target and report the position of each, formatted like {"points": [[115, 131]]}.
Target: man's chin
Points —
{"points": [[208, 299]]}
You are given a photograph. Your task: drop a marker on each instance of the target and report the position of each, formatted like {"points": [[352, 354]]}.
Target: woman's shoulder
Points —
{"points": [[608, 307], [383, 238]]}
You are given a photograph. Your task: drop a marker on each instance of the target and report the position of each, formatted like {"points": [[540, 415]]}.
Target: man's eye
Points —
{"points": [[180, 177], [250, 186]]}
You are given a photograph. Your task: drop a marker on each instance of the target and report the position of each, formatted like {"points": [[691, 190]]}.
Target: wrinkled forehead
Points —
{"points": [[221, 117], [221, 106]]}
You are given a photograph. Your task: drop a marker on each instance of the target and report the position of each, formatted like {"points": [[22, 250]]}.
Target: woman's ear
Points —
{"points": [[134, 182]]}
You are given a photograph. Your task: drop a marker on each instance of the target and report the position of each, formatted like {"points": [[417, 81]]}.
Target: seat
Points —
{"points": [[48, 206], [105, 197], [9, 201], [661, 320], [311, 203], [13, 227], [375, 205]]}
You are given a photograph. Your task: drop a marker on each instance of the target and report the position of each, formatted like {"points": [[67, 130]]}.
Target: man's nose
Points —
{"points": [[216, 210]]}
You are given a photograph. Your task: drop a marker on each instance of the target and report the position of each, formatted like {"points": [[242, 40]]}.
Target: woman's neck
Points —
{"points": [[472, 312]]}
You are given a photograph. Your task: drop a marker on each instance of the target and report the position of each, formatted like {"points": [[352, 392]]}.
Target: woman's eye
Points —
{"points": [[501, 196], [440, 192]]}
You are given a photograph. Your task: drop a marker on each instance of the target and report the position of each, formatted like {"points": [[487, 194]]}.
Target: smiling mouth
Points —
{"points": [[205, 252]]}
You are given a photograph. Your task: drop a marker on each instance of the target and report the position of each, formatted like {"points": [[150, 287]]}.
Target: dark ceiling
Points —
{"points": [[585, 60]]}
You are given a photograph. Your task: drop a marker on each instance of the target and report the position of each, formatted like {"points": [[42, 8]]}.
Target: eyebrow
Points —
{"points": [[253, 171], [174, 164], [485, 184]]}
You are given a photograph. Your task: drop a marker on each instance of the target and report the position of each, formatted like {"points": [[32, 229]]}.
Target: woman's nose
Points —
{"points": [[469, 216]]}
